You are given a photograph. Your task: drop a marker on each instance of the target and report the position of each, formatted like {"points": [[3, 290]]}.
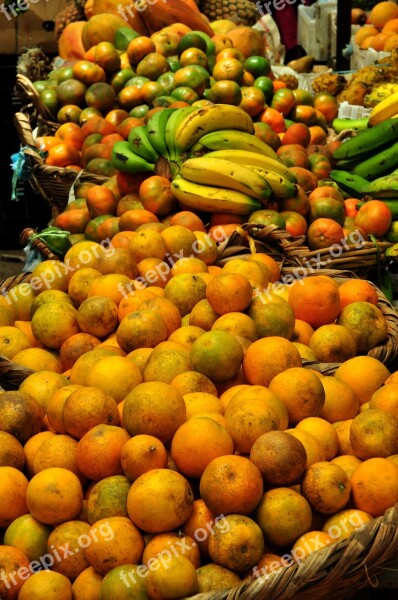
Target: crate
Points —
{"points": [[306, 33]]}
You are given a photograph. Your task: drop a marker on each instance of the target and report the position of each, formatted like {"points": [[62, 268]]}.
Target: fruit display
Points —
{"points": [[174, 431]]}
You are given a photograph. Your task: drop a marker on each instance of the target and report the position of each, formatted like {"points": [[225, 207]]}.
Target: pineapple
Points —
{"points": [[73, 11], [242, 12]]}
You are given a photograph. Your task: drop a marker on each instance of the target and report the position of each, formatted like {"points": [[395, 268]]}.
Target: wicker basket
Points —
{"points": [[292, 251], [52, 183]]}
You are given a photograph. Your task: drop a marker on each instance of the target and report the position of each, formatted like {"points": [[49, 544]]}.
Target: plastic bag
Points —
{"points": [[272, 39]]}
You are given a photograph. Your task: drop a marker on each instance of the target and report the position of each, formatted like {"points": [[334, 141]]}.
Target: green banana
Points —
{"points": [[124, 159], [156, 129], [140, 144], [171, 126], [353, 184], [368, 140], [340, 125], [383, 187], [226, 174], [380, 164], [227, 139], [213, 199], [280, 186], [207, 119], [242, 157]]}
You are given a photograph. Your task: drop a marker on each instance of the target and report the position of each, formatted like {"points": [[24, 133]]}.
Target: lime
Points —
{"points": [[174, 63], [186, 94], [167, 82], [164, 101], [139, 112], [61, 74], [265, 84], [257, 65], [120, 79], [210, 45], [138, 81], [50, 100], [226, 91], [123, 36], [191, 40]]}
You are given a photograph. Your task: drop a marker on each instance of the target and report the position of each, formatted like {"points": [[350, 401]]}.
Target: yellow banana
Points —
{"points": [[231, 139], [280, 186], [384, 110], [212, 199], [226, 174], [207, 119], [242, 157]]}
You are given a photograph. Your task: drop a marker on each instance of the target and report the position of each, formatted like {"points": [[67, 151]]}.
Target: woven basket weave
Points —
{"points": [[292, 251]]}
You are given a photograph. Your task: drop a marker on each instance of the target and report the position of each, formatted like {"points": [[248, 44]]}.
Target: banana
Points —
{"points": [[124, 159], [384, 110], [381, 163], [156, 129], [140, 144], [384, 187], [368, 140], [213, 199], [280, 186], [238, 140], [226, 174], [242, 157], [207, 119], [353, 184], [341, 124], [171, 126]]}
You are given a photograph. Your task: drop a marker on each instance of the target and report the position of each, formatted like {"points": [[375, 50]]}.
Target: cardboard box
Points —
{"points": [[31, 27]]}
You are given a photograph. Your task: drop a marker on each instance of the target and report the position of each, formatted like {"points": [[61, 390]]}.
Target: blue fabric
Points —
{"points": [[33, 258], [21, 170]]}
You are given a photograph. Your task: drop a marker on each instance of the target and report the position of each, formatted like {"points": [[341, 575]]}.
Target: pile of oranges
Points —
{"points": [[170, 438], [381, 30]]}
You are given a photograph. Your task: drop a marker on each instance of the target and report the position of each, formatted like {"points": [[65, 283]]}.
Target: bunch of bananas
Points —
{"points": [[217, 164], [386, 108]]}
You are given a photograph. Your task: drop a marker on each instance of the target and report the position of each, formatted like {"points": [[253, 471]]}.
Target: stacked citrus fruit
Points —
{"points": [[381, 29], [169, 426]]}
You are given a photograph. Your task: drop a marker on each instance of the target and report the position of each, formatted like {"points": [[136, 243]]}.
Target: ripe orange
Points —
{"points": [[64, 535], [386, 399], [347, 462], [57, 451], [341, 401], [160, 544], [375, 486], [236, 543], [315, 300], [231, 484], [176, 579], [367, 324], [142, 453], [374, 434], [310, 542], [217, 354], [97, 315], [333, 343], [300, 390], [364, 374], [98, 452], [11, 451], [46, 584], [107, 498], [324, 432], [20, 415], [87, 584], [54, 495], [341, 525], [87, 407], [267, 357], [327, 487], [383, 12], [357, 290], [13, 486]]}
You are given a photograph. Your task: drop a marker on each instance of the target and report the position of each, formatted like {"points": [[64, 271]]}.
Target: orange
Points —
{"points": [[187, 448], [341, 401], [347, 462], [231, 484], [80, 370], [237, 543], [28, 535], [42, 385], [333, 344], [267, 357], [97, 315], [57, 451], [341, 525], [375, 486], [382, 13], [54, 495], [169, 312], [315, 300], [364, 374], [12, 341], [199, 524], [20, 298], [192, 381], [238, 324], [139, 357], [357, 290], [87, 407], [367, 324], [256, 272], [110, 286], [283, 515], [46, 584], [199, 403], [107, 498], [142, 453], [13, 559], [115, 376], [20, 415], [50, 275], [11, 451], [132, 300], [69, 534], [75, 346], [217, 354], [31, 448], [7, 312], [150, 505], [141, 329], [80, 283], [185, 290], [98, 452], [313, 447], [305, 352], [310, 542], [281, 458], [87, 585], [154, 408], [300, 390], [343, 433], [119, 581], [374, 434], [273, 317], [53, 323], [324, 433], [186, 335], [26, 328], [363, 33], [270, 263], [327, 487], [114, 541], [13, 486], [175, 579], [159, 545], [386, 398], [302, 332], [203, 315]]}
